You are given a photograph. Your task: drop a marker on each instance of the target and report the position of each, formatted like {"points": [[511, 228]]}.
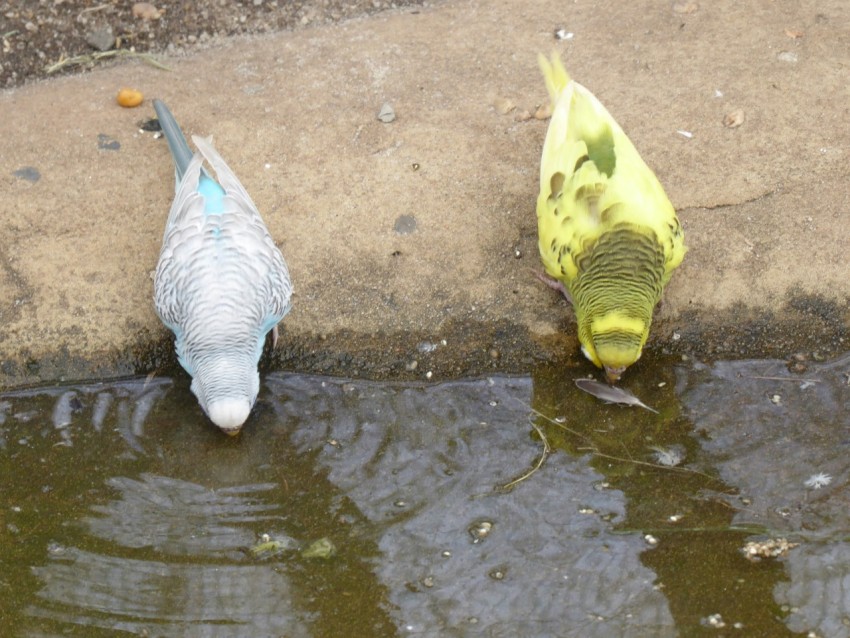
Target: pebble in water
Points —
{"points": [[480, 530]]}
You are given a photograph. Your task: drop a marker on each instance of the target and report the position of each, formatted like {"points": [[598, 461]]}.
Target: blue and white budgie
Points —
{"points": [[221, 283]]}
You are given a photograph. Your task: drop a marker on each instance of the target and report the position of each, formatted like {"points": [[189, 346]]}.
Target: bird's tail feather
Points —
{"points": [[555, 74], [177, 143]]}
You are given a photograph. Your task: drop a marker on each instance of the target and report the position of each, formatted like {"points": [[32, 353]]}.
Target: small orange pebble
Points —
{"points": [[130, 97]]}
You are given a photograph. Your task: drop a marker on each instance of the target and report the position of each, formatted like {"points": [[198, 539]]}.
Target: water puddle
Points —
{"points": [[376, 509]]}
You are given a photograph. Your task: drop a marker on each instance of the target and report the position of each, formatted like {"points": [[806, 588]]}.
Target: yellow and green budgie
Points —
{"points": [[607, 231]]}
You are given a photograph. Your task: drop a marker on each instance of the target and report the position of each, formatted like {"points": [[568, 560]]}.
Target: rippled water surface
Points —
{"points": [[385, 511]]}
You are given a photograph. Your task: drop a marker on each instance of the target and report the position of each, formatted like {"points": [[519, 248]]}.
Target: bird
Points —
{"points": [[608, 236], [221, 284]]}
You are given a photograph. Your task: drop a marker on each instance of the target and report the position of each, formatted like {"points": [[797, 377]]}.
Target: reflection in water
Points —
{"points": [[164, 598], [123, 512], [177, 517], [424, 461], [768, 432]]}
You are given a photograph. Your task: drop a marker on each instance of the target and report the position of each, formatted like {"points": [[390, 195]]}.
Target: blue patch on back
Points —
{"points": [[213, 195], [269, 323]]}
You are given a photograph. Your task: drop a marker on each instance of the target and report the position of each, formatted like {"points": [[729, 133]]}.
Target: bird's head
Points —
{"points": [[613, 358], [614, 344], [226, 390], [229, 414]]}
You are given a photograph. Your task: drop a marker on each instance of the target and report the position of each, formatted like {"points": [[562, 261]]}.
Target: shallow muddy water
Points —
{"points": [[379, 509]]}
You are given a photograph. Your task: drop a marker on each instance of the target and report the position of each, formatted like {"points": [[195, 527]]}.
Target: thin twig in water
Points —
{"points": [[594, 450], [104, 55], [738, 529], [543, 456], [657, 466], [787, 379]]}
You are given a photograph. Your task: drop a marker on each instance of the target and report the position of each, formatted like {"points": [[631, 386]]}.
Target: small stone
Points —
{"points": [[31, 27], [543, 112], [683, 7], [797, 366], [733, 119], [503, 105], [714, 620], [101, 39], [787, 56], [426, 347], [522, 116], [411, 366], [480, 530], [146, 11], [386, 114]]}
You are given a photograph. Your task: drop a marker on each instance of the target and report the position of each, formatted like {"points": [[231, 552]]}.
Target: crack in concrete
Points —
{"points": [[750, 200]]}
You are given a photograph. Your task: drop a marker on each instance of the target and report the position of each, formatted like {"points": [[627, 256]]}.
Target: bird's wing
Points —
{"points": [[592, 179]]}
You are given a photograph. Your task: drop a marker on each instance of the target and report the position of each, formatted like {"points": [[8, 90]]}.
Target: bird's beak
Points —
{"points": [[612, 375]]}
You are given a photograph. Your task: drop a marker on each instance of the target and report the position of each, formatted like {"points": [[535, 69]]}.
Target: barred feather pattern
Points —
{"points": [[622, 273], [607, 230], [221, 284]]}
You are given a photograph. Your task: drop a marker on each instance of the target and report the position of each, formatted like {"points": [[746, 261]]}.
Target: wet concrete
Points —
{"points": [[763, 205]]}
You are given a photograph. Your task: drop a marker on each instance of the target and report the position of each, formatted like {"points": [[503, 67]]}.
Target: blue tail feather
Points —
{"points": [[176, 140]]}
